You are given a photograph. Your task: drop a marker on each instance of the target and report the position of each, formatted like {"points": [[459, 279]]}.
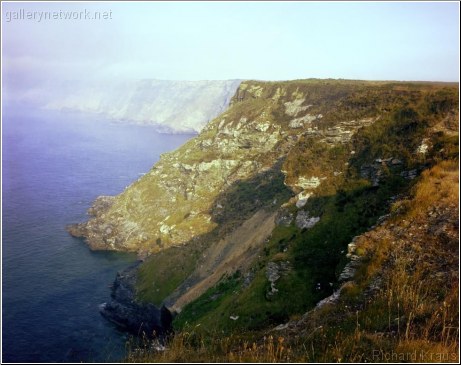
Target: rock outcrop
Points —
{"points": [[132, 316], [174, 201], [305, 221], [274, 271]]}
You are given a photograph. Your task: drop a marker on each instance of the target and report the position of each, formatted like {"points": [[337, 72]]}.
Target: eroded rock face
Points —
{"points": [[132, 316], [376, 170], [175, 200], [284, 218], [302, 121], [171, 204], [305, 221], [274, 271], [302, 198], [350, 269], [95, 232], [308, 182], [423, 147], [293, 108]]}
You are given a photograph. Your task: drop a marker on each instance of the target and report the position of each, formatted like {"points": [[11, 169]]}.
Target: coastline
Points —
{"points": [[132, 316]]}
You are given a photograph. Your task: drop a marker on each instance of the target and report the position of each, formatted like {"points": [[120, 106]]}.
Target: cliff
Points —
{"points": [[171, 106], [397, 299], [248, 223]]}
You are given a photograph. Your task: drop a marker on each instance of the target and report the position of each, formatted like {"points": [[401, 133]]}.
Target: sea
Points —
{"points": [[54, 164]]}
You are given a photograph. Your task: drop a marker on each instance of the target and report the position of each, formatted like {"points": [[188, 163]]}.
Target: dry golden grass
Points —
{"points": [[196, 346], [439, 185], [416, 255]]}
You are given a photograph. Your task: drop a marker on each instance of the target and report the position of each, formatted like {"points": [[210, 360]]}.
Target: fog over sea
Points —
{"points": [[54, 165]]}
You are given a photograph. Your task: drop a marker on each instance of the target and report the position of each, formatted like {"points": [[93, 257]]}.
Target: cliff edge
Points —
{"points": [[262, 204]]}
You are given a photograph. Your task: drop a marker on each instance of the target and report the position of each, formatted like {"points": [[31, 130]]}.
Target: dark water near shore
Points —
{"points": [[54, 165]]}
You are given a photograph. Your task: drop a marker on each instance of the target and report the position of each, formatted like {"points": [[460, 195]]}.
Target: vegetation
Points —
{"points": [[392, 189], [401, 307], [169, 268]]}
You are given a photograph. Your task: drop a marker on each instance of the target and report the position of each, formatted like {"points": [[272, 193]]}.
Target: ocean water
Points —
{"points": [[54, 165]]}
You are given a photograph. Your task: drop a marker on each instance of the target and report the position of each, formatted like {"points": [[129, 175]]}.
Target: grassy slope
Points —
{"points": [[411, 317], [348, 206]]}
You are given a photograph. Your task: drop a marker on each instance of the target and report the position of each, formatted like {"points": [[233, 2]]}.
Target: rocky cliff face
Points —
{"points": [[131, 316], [273, 189], [175, 201], [172, 106]]}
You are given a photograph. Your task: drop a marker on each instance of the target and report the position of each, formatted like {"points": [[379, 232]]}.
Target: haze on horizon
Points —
{"points": [[231, 40]]}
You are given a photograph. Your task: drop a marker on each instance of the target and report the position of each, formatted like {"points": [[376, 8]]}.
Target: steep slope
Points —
{"points": [[399, 302], [235, 251], [171, 106], [171, 204], [399, 299], [321, 160]]}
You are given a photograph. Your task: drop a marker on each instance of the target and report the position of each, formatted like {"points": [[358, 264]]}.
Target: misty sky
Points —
{"points": [[240, 40]]}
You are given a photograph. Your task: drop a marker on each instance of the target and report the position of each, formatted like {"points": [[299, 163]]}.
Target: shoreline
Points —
{"points": [[131, 316]]}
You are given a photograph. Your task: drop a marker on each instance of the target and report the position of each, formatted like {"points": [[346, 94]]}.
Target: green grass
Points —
{"points": [[164, 271], [212, 299]]}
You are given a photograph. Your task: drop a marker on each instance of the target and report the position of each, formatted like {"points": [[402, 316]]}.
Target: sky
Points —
{"points": [[230, 40]]}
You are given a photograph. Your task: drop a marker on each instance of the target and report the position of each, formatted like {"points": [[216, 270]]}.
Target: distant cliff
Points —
{"points": [[172, 106]]}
